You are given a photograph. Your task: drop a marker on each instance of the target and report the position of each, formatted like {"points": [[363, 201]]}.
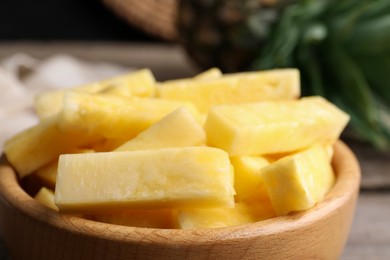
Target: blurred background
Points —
{"points": [[72, 20]]}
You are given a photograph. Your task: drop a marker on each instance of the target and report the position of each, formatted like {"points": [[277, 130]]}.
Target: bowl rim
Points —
{"points": [[347, 185]]}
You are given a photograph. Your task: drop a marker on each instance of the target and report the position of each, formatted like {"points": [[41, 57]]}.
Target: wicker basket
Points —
{"points": [[156, 17]]}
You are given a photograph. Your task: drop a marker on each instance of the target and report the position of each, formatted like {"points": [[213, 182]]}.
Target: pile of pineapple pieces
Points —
{"points": [[214, 150]]}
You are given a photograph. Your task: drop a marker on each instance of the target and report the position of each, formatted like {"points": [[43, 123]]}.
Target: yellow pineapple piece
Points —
{"points": [[242, 213], [212, 73], [48, 173], [108, 144], [142, 218], [113, 117], [48, 103], [46, 197], [209, 74], [177, 129], [139, 83], [248, 181], [42, 144], [274, 126], [297, 182], [234, 88], [148, 179]]}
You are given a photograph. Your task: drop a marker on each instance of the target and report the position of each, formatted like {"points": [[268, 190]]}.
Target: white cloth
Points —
{"points": [[22, 77]]}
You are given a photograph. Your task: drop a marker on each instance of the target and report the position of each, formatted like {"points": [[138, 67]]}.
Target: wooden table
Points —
{"points": [[370, 234]]}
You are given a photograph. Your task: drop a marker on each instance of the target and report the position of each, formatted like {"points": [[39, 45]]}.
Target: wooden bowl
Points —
{"points": [[32, 231]]}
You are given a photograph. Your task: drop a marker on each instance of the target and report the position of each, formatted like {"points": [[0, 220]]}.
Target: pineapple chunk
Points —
{"points": [[113, 117], [42, 144], [212, 73], [274, 126], [242, 213], [298, 181], [148, 179], [248, 181], [140, 83], [46, 197], [48, 174], [178, 129], [164, 218], [234, 88]]}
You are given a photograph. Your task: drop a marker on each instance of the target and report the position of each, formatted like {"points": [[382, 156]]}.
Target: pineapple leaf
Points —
{"points": [[343, 51]]}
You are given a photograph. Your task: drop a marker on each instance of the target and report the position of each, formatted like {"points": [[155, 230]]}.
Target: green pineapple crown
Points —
{"points": [[342, 49]]}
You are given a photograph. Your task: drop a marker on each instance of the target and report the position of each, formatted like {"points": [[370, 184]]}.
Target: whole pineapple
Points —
{"points": [[226, 33]]}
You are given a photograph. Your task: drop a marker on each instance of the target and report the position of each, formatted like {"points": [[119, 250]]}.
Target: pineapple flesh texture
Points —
{"points": [[271, 127], [48, 173], [41, 144], [148, 179], [242, 213], [235, 88], [113, 117], [297, 182], [212, 73], [139, 83], [248, 181], [177, 129], [46, 197]]}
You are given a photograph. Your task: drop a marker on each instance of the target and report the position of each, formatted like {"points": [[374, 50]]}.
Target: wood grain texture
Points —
{"points": [[32, 231]]}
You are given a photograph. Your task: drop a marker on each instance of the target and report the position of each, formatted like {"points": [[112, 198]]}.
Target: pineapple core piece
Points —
{"points": [[234, 88], [242, 213], [274, 126], [178, 129], [298, 181], [113, 117], [248, 181], [147, 179], [139, 83]]}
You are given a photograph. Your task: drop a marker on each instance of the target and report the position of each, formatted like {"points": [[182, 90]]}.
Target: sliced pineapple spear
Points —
{"points": [[48, 173], [299, 181], [147, 179], [242, 213], [42, 144], [212, 73], [274, 126], [248, 181], [189, 184], [139, 83], [234, 88], [113, 117], [177, 129]]}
